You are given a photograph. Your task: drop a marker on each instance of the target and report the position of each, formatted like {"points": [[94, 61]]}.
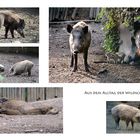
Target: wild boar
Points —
{"points": [[12, 21], [126, 113], [1, 68], [18, 107], [79, 41], [137, 42], [22, 67], [126, 44], [2, 100]]}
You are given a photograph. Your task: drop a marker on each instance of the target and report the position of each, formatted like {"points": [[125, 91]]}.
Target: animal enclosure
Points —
{"points": [[31, 94]]}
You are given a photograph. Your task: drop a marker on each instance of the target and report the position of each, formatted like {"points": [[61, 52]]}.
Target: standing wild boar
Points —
{"points": [[79, 41], [22, 67], [11, 21], [126, 113]]}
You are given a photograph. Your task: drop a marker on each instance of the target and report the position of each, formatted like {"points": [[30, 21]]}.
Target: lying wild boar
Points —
{"points": [[2, 100], [22, 67], [18, 107], [126, 113], [79, 41], [11, 21]]}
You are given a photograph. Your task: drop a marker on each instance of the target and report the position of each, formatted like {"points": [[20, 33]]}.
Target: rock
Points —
{"points": [[16, 41], [103, 71], [99, 59]]}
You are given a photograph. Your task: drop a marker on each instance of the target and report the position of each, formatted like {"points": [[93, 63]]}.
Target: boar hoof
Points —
{"points": [[118, 128], [74, 70], [87, 70], [71, 65]]}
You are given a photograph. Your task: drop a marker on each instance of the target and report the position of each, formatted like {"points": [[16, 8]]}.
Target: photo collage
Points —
{"points": [[69, 70]]}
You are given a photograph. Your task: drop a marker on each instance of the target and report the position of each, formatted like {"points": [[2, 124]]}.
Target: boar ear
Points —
{"points": [[69, 28], [133, 40], [85, 29]]}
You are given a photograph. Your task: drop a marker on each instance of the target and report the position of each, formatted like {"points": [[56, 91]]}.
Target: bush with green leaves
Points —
{"points": [[111, 19]]}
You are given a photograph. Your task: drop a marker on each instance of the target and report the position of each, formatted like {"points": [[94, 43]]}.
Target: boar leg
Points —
{"points": [[127, 123], [12, 32], [75, 62], [117, 120], [132, 123], [6, 31], [29, 73], [85, 60], [72, 58]]}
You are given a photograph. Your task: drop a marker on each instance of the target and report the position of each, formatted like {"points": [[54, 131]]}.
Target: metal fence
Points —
{"points": [[31, 94]]}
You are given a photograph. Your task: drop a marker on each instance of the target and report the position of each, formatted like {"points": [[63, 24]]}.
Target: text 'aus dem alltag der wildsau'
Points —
{"points": [[112, 92]]}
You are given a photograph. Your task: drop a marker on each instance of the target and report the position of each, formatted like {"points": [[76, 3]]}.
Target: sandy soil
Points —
{"points": [[59, 61], [34, 123], [31, 17], [9, 59]]}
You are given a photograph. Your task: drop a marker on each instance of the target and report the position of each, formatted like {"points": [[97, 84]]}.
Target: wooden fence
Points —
{"points": [[62, 14], [31, 94], [21, 50]]}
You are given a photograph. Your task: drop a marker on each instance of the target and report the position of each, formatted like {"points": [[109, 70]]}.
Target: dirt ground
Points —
{"points": [[100, 71], [31, 17], [34, 123], [110, 123], [9, 59]]}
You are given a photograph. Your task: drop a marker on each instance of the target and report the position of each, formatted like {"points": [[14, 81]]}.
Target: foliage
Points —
{"points": [[111, 18], [1, 77], [110, 23]]}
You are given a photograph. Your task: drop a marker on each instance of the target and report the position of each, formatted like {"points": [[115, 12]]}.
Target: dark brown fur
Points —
{"points": [[11, 21], [80, 43]]}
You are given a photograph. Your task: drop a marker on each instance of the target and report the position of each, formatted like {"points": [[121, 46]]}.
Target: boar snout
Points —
{"points": [[75, 52], [20, 31]]}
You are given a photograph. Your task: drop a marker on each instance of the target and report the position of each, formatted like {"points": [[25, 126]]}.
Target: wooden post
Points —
{"points": [[91, 13], [66, 12], [74, 13], [45, 94], [26, 94]]}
